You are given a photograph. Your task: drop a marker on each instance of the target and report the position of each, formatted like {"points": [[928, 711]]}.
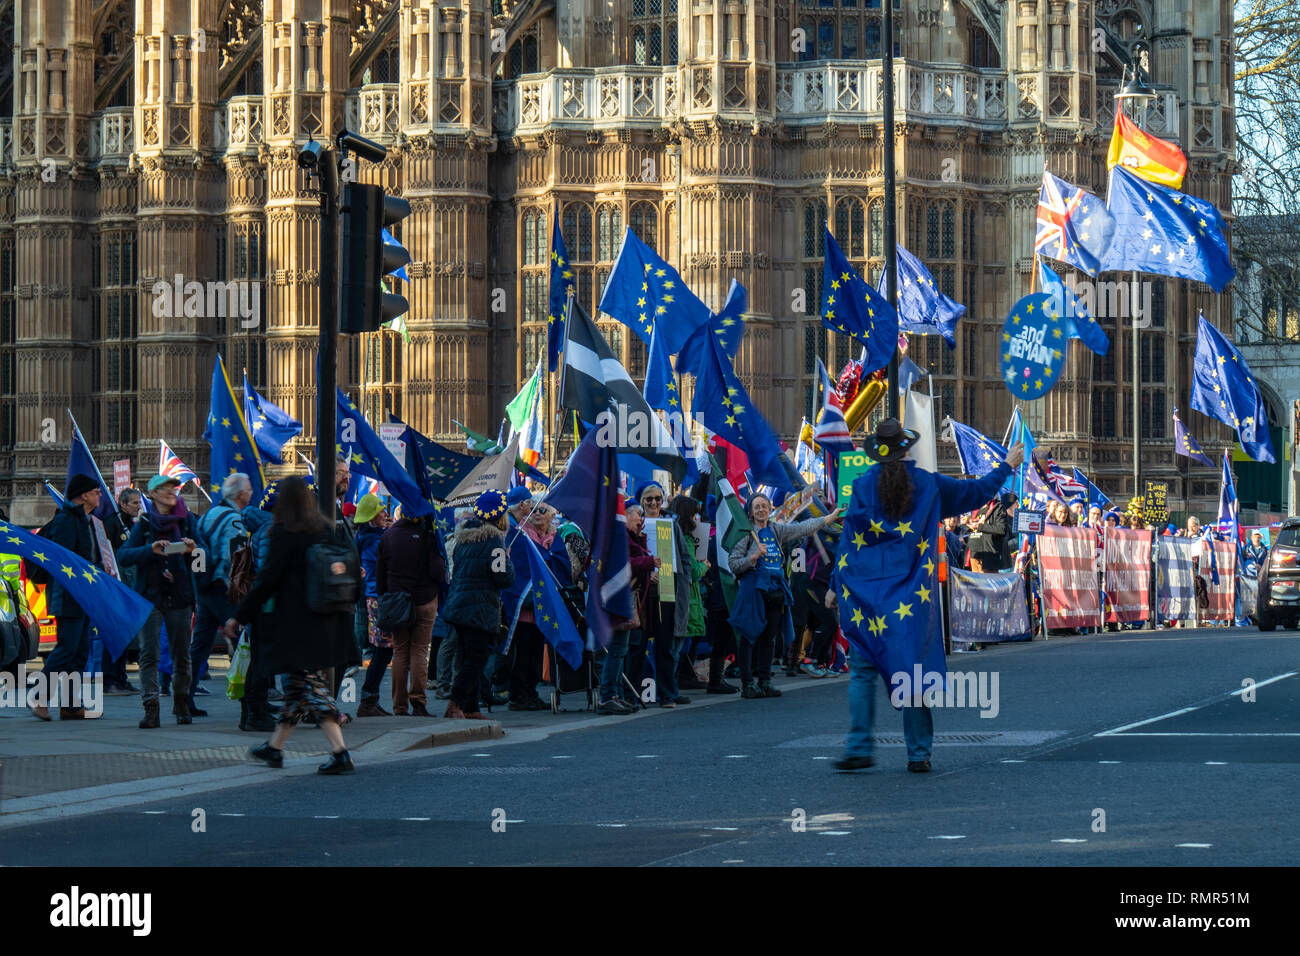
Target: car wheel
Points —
{"points": [[1265, 620]]}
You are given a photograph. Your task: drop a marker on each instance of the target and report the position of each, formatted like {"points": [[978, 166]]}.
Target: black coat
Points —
{"points": [[413, 560], [996, 531], [474, 600], [70, 527], [294, 638]]}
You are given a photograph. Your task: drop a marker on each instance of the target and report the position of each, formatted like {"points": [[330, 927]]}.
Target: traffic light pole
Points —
{"points": [[327, 352], [891, 202]]}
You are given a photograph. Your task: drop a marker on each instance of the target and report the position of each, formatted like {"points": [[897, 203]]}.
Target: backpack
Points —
{"points": [[206, 578], [241, 570], [333, 577]]}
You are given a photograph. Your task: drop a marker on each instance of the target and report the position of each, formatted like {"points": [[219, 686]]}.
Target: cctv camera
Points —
{"points": [[310, 154]]}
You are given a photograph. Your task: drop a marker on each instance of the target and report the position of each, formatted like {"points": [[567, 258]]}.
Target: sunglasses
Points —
{"points": [[653, 498]]}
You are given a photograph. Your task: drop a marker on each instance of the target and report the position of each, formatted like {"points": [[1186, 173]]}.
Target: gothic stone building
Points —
{"points": [[142, 140]]}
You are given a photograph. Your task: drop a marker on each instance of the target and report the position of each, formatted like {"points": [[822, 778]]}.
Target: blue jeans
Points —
{"points": [[918, 723], [611, 672], [73, 650]]}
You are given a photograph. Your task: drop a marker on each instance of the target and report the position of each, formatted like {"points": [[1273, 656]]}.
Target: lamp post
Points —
{"points": [[891, 199], [1136, 91]]}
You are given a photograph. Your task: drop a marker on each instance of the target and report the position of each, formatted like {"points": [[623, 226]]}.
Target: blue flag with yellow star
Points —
{"points": [[644, 293], [851, 307], [435, 468], [550, 613], [921, 306], [272, 426], [561, 286], [369, 456], [885, 576], [728, 328], [1186, 444], [1081, 325], [1223, 388], [114, 609], [978, 455], [233, 448]]}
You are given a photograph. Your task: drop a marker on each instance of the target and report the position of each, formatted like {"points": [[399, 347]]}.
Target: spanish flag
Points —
{"points": [[1153, 159]]}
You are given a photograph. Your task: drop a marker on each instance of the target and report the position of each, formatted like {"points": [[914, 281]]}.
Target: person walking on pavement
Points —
{"points": [[160, 545], [116, 528], [481, 571], [371, 522], [301, 643], [71, 528], [886, 585], [411, 558], [641, 563], [217, 531]]}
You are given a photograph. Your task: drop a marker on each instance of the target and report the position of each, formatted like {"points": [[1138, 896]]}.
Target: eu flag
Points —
{"points": [[114, 609], [369, 456], [1186, 444], [441, 468], [1223, 388], [549, 610], [851, 307], [561, 287], [1165, 232], [978, 455], [921, 306], [1095, 495], [1079, 324], [272, 426], [1227, 523], [660, 383], [233, 448], [644, 292], [909, 373], [728, 327]]}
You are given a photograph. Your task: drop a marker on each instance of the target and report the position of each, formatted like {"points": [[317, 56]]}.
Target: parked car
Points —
{"points": [[1279, 580]]}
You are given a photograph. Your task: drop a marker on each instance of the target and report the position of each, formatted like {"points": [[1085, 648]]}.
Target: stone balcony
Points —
{"points": [[244, 126]]}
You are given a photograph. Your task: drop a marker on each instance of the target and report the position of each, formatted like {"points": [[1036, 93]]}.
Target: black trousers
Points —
{"points": [[810, 611], [380, 658], [724, 642], [257, 681], [526, 669], [756, 659], [475, 646]]}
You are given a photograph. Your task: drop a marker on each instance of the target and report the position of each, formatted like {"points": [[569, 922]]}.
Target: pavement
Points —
{"points": [[1127, 749]]}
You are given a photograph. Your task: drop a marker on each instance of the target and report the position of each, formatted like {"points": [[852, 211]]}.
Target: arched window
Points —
{"points": [[849, 38], [672, 46], [876, 223], [656, 46], [871, 44], [809, 27], [826, 39], [638, 46], [530, 239], [949, 232], [645, 223], [814, 238], [577, 231], [932, 232], [850, 229], [531, 61], [611, 231]]}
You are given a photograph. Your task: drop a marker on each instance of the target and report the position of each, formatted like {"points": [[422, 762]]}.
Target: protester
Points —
{"points": [[894, 509], [684, 510], [301, 643], [165, 579], [256, 712], [519, 670], [989, 546], [667, 622], [643, 565], [1078, 507], [810, 611], [1193, 526], [448, 657], [1094, 517], [371, 523], [116, 528], [70, 527], [474, 606], [411, 558], [1254, 554], [955, 542], [763, 599], [217, 532]]}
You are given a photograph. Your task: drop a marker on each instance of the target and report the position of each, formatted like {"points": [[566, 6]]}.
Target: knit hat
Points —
{"points": [[645, 486], [79, 485], [1078, 500], [367, 508], [490, 505], [1115, 515], [517, 495]]}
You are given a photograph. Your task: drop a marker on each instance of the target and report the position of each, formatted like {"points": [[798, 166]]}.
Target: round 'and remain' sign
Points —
{"points": [[1034, 339]]}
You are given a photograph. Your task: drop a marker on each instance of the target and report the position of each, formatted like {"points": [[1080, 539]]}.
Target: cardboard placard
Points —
{"points": [[121, 476], [659, 537], [1155, 503], [1030, 522]]}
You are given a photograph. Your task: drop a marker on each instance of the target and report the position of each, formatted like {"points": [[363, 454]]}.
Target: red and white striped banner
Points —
{"points": [[1225, 554], [1128, 575], [1067, 559]]}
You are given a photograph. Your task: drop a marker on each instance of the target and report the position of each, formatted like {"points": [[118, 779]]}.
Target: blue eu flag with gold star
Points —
{"points": [[851, 307], [562, 285], [369, 457], [645, 293], [272, 426], [114, 609], [1223, 388], [233, 448], [550, 614], [1185, 443], [978, 455]]}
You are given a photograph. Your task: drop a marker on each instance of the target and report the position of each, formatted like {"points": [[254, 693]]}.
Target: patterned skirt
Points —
{"points": [[377, 637], [307, 692]]}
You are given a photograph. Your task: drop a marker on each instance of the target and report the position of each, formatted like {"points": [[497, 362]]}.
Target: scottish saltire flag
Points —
{"points": [[909, 373], [550, 613], [170, 464], [1227, 523], [1095, 494], [272, 426], [832, 431], [1074, 226], [1223, 388], [369, 456], [588, 494], [525, 415], [233, 448], [978, 455], [82, 462], [562, 286], [1080, 325], [644, 292], [116, 612], [1186, 444], [921, 306], [722, 405], [851, 307], [1168, 233]]}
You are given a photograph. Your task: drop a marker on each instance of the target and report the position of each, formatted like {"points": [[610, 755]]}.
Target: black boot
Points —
{"points": [[340, 762], [194, 710], [270, 755], [180, 707], [150, 715]]}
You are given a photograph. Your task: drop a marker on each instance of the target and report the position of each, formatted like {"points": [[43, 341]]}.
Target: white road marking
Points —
{"points": [[480, 755], [733, 861], [230, 814], [1012, 761], [835, 832], [1190, 734], [153, 813], [322, 817], [821, 758], [1199, 846], [417, 819], [728, 829], [1241, 690], [1110, 761], [1188, 710], [1069, 840], [1216, 763], [514, 821], [646, 756], [946, 836], [737, 756], [613, 825], [562, 757]]}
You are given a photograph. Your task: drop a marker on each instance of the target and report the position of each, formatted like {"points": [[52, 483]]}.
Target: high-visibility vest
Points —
{"points": [[11, 571]]}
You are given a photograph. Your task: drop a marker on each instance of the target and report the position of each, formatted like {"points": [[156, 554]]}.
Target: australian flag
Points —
{"points": [[851, 307], [1223, 388], [562, 286], [369, 456], [645, 293], [1186, 444], [588, 495], [921, 306], [233, 448], [1165, 232], [978, 455], [272, 426], [1074, 226]]}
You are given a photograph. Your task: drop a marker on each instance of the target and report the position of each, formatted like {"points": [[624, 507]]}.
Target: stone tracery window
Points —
{"points": [[653, 32]]}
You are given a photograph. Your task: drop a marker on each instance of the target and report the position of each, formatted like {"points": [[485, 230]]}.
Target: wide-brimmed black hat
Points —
{"points": [[891, 440]]}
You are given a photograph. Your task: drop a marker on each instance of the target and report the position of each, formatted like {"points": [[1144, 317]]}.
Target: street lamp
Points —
{"points": [[1137, 92]]}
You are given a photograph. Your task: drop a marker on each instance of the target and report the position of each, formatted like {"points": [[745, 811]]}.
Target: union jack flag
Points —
{"points": [[1074, 226], [170, 464]]}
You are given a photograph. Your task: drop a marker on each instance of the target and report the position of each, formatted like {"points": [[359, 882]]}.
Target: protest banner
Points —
{"points": [[1225, 557], [1155, 504], [1068, 564], [1128, 575], [1175, 592], [853, 464], [988, 608], [1248, 591], [659, 539], [121, 476]]}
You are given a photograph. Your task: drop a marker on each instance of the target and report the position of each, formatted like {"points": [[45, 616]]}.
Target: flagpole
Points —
{"points": [[891, 200], [559, 398]]}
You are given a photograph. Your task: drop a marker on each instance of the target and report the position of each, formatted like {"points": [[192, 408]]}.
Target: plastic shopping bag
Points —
{"points": [[238, 669]]}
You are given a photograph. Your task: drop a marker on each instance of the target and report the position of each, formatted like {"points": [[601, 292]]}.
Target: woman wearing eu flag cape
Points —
{"points": [[887, 588]]}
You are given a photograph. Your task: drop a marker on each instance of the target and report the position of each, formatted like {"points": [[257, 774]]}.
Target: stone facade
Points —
{"points": [[145, 139]]}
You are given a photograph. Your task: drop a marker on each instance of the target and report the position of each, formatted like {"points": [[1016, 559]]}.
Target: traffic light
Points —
{"points": [[367, 258]]}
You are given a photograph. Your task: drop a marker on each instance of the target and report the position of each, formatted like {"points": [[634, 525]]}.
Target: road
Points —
{"points": [[1113, 750]]}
